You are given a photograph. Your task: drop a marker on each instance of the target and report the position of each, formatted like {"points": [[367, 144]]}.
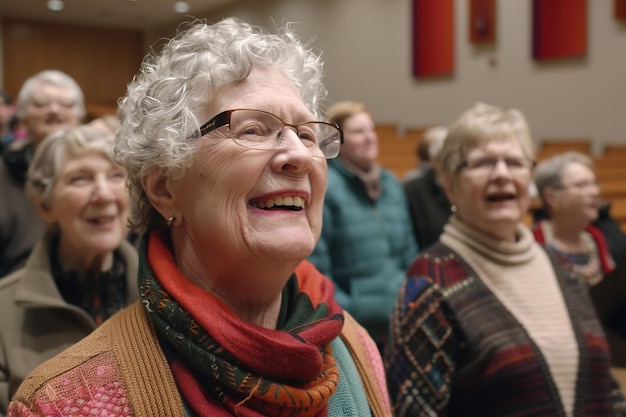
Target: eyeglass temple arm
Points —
{"points": [[218, 121]]}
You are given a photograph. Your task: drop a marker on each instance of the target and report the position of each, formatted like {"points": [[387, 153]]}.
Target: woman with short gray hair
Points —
{"points": [[48, 101], [570, 195]]}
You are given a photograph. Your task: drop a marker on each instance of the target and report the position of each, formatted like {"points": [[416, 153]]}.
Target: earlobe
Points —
{"points": [[159, 191], [447, 188], [549, 196], [45, 212]]}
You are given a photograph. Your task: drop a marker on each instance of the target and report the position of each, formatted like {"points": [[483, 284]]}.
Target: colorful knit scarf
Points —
{"points": [[224, 366]]}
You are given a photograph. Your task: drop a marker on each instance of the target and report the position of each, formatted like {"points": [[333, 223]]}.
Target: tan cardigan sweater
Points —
{"points": [[126, 349]]}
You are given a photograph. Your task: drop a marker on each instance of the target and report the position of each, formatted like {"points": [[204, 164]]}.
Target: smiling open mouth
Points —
{"points": [[101, 220], [280, 203], [500, 197]]}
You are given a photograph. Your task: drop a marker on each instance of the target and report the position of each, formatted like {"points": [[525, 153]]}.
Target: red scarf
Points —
{"points": [[225, 366]]}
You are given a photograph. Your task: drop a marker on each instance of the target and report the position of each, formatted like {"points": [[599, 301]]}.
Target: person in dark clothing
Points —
{"points": [[613, 233], [428, 203]]}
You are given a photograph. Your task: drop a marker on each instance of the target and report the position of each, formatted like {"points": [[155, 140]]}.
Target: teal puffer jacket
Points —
{"points": [[366, 246]]}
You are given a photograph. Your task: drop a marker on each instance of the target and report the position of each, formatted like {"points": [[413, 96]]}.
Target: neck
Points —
{"points": [[246, 293], [363, 166], [567, 233], [72, 260], [252, 288], [505, 232]]}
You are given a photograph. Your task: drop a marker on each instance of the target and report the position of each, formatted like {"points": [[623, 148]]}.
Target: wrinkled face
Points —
{"points": [[360, 146], [579, 196], [50, 108], [250, 204], [90, 205], [492, 191]]}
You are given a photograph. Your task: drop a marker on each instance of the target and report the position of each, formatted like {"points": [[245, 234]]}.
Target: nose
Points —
{"points": [[292, 152], [500, 169], [103, 191], [54, 107]]}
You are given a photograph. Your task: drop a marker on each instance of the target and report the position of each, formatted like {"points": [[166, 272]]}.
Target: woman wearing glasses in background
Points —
{"points": [[488, 323], [226, 159], [570, 195]]}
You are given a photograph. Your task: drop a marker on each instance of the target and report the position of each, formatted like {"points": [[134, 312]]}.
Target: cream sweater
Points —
{"points": [[521, 276]]}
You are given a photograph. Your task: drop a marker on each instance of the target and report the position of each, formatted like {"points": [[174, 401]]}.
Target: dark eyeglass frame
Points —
{"points": [[223, 119]]}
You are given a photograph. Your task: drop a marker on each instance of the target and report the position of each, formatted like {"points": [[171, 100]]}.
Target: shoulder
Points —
{"points": [[75, 367], [70, 367], [130, 256], [337, 172], [595, 232], [390, 179], [441, 263], [414, 184], [369, 363], [10, 282], [16, 157]]}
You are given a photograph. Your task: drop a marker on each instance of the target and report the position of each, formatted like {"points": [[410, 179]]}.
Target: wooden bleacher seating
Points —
{"points": [[549, 147], [618, 151], [398, 152], [95, 110]]}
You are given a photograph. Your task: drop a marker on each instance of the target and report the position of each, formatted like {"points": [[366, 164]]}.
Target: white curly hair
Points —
{"points": [[159, 114]]}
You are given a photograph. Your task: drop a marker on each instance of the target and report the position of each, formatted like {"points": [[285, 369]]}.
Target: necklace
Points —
{"points": [[584, 260]]}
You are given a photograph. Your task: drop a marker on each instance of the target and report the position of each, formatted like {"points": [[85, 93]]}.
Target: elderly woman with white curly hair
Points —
{"points": [[82, 271], [226, 156]]}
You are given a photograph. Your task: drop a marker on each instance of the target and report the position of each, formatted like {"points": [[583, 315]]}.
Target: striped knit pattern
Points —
{"points": [[522, 278]]}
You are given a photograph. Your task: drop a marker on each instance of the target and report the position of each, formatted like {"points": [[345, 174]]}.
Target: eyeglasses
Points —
{"points": [[258, 129], [48, 103], [487, 164], [580, 185]]}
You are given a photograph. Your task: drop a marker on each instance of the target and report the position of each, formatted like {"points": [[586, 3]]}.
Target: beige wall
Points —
{"points": [[367, 50]]}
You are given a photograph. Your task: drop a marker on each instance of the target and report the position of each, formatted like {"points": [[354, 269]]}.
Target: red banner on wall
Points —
{"points": [[482, 21], [559, 29], [433, 37], [620, 9]]}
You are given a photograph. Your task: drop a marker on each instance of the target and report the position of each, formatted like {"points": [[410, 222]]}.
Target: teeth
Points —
{"points": [[287, 201], [102, 219]]}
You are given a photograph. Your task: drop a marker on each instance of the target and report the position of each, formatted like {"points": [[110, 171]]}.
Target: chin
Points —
{"points": [[104, 245], [506, 219]]}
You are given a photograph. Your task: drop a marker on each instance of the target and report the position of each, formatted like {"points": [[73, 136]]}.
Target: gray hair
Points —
{"points": [[437, 136], [53, 152], [52, 77], [549, 172], [159, 114], [480, 124]]}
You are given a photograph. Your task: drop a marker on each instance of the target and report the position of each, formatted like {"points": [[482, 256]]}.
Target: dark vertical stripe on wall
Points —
{"points": [[559, 29], [620, 9], [433, 37], [482, 21]]}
